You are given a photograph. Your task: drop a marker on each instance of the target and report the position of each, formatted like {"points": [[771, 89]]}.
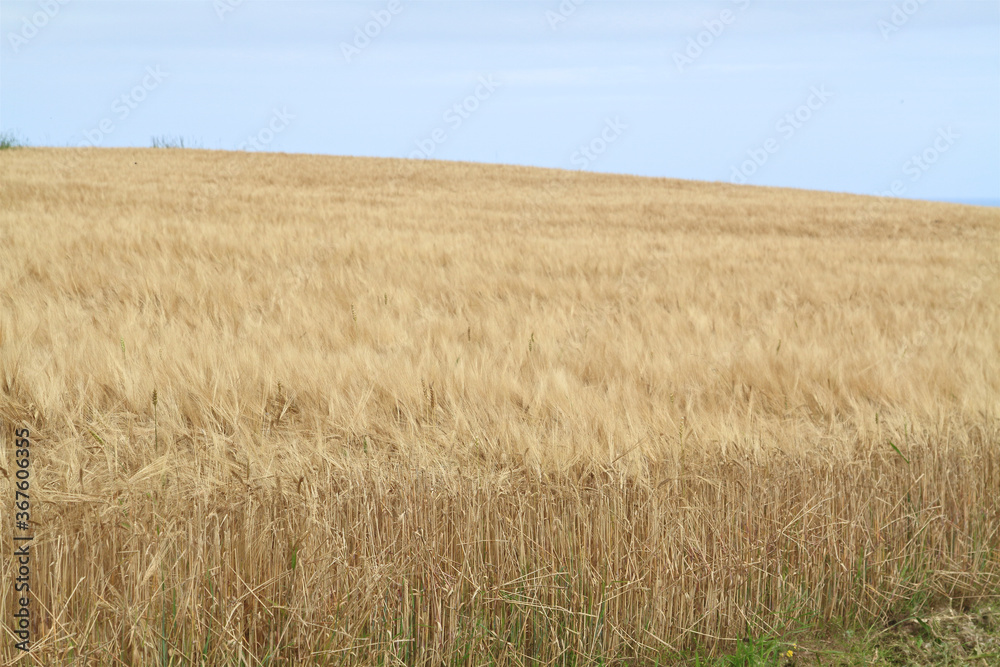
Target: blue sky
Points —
{"points": [[854, 96]]}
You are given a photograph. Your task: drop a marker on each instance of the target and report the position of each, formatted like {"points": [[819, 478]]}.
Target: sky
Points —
{"points": [[897, 98]]}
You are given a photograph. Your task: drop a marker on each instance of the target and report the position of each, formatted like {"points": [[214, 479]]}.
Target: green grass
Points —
{"points": [[164, 141], [10, 140], [943, 638]]}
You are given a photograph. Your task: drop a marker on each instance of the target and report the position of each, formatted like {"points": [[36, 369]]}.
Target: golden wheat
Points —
{"points": [[430, 412]]}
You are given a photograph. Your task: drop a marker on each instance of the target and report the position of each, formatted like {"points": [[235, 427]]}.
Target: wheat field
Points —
{"points": [[291, 409]]}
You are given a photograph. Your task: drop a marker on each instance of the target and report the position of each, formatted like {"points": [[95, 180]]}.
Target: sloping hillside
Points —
{"points": [[285, 406]]}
